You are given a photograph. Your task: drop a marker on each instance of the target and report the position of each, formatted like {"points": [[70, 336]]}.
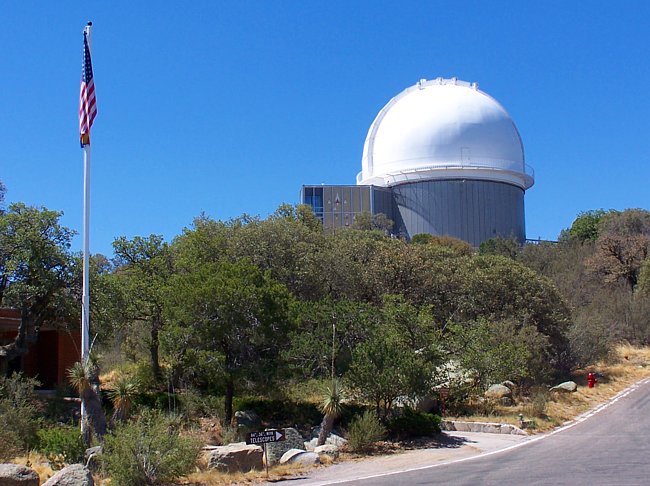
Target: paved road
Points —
{"points": [[610, 448]]}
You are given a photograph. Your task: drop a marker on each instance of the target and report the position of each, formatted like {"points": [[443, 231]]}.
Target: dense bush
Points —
{"points": [[18, 415], [411, 423], [61, 445], [365, 430], [148, 451], [280, 412]]}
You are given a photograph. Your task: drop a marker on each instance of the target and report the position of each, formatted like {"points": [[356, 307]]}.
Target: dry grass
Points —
{"points": [[215, 478], [38, 463], [625, 367]]}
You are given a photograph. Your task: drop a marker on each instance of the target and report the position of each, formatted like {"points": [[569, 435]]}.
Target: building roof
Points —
{"points": [[441, 129]]}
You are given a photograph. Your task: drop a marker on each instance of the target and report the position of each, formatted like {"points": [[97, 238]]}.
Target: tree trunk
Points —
{"points": [[325, 428], [95, 418], [153, 350], [230, 393]]}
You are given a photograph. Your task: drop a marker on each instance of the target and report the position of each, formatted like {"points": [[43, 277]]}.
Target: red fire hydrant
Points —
{"points": [[591, 380]]}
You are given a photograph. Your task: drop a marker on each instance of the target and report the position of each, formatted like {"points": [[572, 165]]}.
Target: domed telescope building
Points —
{"points": [[442, 157]]}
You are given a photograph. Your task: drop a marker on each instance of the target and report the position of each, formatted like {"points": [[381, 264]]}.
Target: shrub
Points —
{"points": [[413, 424], [365, 430], [148, 451], [539, 399], [280, 412], [18, 414], [9, 447], [61, 445]]}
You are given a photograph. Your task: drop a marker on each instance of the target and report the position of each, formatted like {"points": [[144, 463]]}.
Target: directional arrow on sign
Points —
{"points": [[265, 437]]}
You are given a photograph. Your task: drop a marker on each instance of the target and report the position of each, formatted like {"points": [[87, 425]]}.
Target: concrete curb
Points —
{"points": [[484, 427]]}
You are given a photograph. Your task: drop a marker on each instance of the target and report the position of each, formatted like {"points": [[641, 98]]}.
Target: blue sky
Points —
{"points": [[228, 108]]}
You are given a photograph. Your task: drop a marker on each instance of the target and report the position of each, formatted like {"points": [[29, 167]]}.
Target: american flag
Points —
{"points": [[87, 101]]}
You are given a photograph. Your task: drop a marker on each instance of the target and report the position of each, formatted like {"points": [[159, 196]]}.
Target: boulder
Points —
{"points": [[496, 392], [92, 458], [566, 387], [327, 450], [509, 384], [18, 475], [247, 418], [73, 475], [275, 450], [236, 457], [332, 439], [506, 401], [301, 457]]}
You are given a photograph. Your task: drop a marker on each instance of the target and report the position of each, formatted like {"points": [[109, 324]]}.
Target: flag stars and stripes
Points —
{"points": [[87, 101]]}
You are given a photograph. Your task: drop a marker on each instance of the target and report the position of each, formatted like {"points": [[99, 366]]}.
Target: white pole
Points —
{"points": [[85, 307], [85, 310]]}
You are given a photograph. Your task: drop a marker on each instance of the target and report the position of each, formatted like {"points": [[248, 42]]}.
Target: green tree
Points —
{"points": [[325, 334], [507, 247], [35, 272], [229, 322], [399, 357], [585, 226], [373, 222], [144, 266], [494, 351]]}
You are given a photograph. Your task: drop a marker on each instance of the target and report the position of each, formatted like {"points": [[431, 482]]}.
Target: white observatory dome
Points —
{"points": [[443, 129]]}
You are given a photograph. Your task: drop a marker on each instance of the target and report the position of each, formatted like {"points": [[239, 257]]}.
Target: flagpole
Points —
{"points": [[85, 310], [85, 307]]}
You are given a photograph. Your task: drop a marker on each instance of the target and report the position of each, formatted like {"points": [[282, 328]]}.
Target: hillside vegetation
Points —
{"points": [[259, 314]]}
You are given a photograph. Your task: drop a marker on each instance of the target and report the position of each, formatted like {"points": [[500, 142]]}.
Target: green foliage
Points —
{"points": [[149, 451], [280, 412], [372, 222], [36, 272], [383, 369], [18, 414], [228, 322], [494, 351], [331, 406], [410, 423], [507, 247], [322, 324], [364, 431], [61, 444], [125, 390], [644, 278], [585, 226]]}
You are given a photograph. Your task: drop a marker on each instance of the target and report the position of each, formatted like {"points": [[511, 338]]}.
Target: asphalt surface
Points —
{"points": [[610, 446]]}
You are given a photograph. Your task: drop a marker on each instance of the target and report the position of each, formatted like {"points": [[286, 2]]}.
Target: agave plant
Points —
{"points": [[331, 406]]}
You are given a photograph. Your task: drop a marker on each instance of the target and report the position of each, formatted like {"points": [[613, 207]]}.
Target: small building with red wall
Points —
{"points": [[48, 359]]}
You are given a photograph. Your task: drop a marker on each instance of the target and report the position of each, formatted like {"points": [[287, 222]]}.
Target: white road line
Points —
{"points": [[579, 419]]}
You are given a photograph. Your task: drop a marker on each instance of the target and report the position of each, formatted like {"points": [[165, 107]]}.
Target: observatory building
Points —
{"points": [[442, 157]]}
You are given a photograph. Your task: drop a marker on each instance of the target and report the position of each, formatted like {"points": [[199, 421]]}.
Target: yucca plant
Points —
{"points": [[331, 406], [123, 394], [84, 377]]}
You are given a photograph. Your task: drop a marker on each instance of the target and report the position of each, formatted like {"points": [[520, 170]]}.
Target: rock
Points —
{"points": [[332, 439], [509, 384], [327, 450], [275, 450], [73, 475], [497, 392], [506, 401], [566, 387], [92, 458], [18, 475], [236, 457], [247, 418], [298, 456]]}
